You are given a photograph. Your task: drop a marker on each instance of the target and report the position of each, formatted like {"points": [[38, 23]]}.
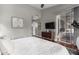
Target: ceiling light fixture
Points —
{"points": [[42, 5]]}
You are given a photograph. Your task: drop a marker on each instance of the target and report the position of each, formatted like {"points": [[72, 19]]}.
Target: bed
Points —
{"points": [[33, 46]]}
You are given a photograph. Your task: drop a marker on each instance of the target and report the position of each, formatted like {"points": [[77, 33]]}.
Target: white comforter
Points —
{"points": [[37, 46]]}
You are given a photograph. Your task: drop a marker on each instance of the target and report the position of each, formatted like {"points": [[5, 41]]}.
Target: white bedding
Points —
{"points": [[31, 46], [37, 46]]}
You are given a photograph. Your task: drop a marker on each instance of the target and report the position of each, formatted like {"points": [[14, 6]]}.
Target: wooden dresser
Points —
{"points": [[48, 36]]}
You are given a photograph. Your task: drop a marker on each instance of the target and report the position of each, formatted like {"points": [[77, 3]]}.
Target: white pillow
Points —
{"points": [[6, 46]]}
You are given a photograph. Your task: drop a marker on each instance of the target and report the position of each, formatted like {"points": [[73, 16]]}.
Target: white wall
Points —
{"points": [[49, 14], [24, 11]]}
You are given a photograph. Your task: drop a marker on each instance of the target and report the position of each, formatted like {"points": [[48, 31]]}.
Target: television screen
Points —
{"points": [[50, 25]]}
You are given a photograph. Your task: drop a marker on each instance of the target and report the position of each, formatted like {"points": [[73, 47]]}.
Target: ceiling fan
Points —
{"points": [[42, 5]]}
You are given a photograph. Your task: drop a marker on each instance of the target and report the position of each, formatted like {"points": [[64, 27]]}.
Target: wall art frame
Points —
{"points": [[17, 22]]}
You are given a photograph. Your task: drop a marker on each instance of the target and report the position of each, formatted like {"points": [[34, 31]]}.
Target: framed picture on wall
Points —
{"points": [[17, 22]]}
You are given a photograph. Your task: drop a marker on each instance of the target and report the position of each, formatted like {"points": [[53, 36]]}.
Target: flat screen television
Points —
{"points": [[50, 25]]}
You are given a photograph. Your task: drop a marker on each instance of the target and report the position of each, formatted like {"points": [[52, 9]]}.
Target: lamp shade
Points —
{"points": [[35, 24], [3, 30]]}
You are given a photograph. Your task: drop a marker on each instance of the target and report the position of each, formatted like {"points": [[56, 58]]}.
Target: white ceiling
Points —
{"points": [[38, 6]]}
